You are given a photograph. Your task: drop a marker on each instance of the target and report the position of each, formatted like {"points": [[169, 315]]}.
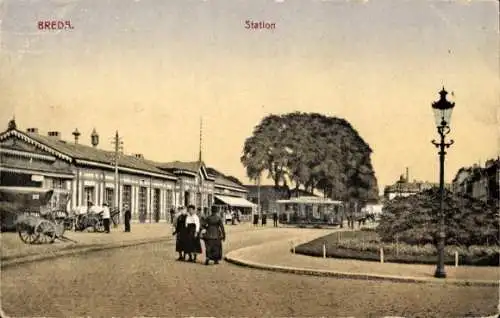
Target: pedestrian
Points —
{"points": [[275, 219], [179, 224], [105, 217], [214, 236], [264, 219], [172, 215], [127, 215], [227, 216], [256, 219], [193, 228], [238, 216]]}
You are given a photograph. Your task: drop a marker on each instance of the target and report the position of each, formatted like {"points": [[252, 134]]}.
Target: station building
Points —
{"points": [[79, 174]]}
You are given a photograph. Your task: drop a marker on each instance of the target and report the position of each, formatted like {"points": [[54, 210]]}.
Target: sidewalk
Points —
{"points": [[14, 251], [276, 256]]}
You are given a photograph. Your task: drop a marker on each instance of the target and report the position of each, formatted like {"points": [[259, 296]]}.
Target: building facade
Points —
{"points": [[204, 186], [479, 182], [80, 174]]}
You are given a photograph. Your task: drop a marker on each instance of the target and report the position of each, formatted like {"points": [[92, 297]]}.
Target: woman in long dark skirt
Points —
{"points": [[181, 233], [193, 244], [213, 237]]}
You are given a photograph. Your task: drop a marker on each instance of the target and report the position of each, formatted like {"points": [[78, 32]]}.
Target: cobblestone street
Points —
{"points": [[147, 281]]}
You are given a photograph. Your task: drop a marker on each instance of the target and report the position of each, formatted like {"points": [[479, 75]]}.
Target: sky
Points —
{"points": [[151, 69]]}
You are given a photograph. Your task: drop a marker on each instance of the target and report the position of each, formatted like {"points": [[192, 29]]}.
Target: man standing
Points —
{"points": [[275, 218], [105, 217], [127, 215]]}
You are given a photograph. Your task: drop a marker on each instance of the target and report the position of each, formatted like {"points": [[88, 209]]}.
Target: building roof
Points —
{"points": [[93, 154], [85, 153], [194, 166], [191, 166], [269, 192], [228, 181]]}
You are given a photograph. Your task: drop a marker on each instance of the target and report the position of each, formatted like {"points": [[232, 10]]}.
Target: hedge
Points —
{"points": [[365, 245]]}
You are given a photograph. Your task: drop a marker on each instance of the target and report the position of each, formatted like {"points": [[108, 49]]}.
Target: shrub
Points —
{"points": [[415, 219]]}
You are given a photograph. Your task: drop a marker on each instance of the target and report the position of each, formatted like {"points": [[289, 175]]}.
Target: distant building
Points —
{"points": [[479, 182], [270, 194], [403, 187]]}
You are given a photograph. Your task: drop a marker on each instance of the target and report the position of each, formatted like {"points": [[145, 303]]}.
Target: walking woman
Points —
{"points": [[127, 216], [214, 236], [181, 233], [193, 228]]}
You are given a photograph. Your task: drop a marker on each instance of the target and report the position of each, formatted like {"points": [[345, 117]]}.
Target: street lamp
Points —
{"points": [[442, 112]]}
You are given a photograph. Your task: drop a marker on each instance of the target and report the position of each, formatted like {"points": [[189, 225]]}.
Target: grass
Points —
{"points": [[366, 245]]}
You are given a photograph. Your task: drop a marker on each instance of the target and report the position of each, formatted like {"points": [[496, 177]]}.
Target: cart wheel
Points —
{"points": [[27, 234], [46, 231]]}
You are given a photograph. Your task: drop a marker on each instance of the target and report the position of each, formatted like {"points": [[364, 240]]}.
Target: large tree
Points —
{"points": [[312, 151]]}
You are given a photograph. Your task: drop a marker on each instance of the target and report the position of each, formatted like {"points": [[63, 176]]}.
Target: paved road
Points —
{"points": [[146, 281]]}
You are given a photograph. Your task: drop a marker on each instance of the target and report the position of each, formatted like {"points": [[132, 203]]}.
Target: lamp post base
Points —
{"points": [[440, 273]]}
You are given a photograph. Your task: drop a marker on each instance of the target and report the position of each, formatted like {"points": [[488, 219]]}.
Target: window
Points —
{"points": [[198, 199], [143, 203], [170, 199], [156, 205], [89, 194], [55, 183], [109, 197], [127, 196], [209, 200], [58, 183], [48, 183]]}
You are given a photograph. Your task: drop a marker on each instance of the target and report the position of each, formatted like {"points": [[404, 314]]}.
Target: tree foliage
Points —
{"points": [[312, 151], [415, 220]]}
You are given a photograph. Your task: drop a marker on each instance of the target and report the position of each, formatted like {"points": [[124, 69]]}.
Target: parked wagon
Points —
{"points": [[84, 220], [35, 222]]}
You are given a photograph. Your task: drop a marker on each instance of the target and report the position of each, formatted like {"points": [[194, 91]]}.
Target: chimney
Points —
{"points": [[139, 155], [94, 138], [407, 174], [76, 134], [54, 134], [32, 130]]}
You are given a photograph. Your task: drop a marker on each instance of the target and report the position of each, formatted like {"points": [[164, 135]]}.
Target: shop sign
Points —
{"points": [[37, 178]]}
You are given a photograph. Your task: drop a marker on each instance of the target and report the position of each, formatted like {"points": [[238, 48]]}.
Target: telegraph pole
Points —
{"points": [[200, 160], [118, 144]]}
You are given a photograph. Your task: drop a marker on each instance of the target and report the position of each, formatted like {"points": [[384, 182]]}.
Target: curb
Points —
{"points": [[347, 275], [77, 250]]}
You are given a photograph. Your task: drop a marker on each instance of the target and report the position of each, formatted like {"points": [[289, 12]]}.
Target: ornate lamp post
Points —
{"points": [[442, 112]]}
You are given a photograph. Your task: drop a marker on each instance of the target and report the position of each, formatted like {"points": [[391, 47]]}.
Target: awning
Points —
{"points": [[56, 174], [235, 201]]}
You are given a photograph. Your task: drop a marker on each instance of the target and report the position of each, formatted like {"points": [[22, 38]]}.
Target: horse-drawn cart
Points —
{"points": [[34, 220], [34, 229]]}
